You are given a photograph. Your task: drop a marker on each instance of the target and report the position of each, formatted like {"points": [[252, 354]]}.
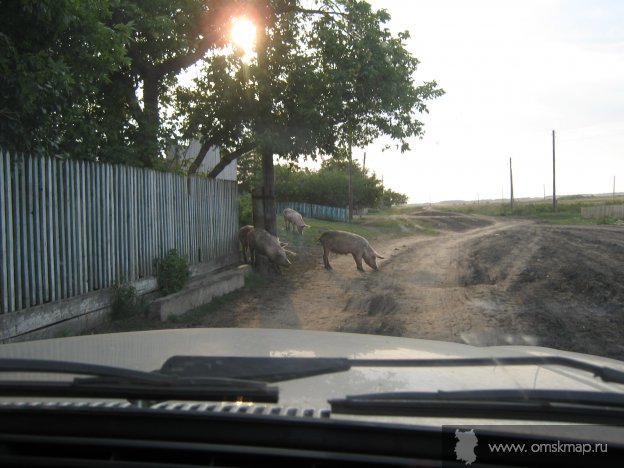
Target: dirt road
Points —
{"points": [[482, 281]]}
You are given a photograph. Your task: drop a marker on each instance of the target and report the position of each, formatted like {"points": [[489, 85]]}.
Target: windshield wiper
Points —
{"points": [[275, 369], [228, 378], [606, 374], [537, 405], [115, 382]]}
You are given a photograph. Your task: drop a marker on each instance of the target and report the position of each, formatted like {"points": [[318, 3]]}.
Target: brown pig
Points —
{"points": [[342, 242], [243, 238], [263, 243], [293, 217]]}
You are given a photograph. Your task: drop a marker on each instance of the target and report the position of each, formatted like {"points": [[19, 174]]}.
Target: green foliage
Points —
{"points": [[367, 77], [249, 172], [392, 198], [126, 303], [328, 186], [91, 79], [172, 272], [607, 220], [322, 80], [56, 56], [245, 214], [98, 79], [217, 108]]}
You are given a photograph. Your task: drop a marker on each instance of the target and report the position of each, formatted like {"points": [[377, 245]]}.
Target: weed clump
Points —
{"points": [[172, 272], [126, 303]]}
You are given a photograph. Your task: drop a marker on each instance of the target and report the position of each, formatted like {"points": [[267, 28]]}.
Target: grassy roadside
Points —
{"points": [[568, 210], [389, 224]]}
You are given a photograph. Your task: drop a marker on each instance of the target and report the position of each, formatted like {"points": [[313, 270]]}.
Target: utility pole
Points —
{"points": [[554, 186], [511, 197], [614, 187]]}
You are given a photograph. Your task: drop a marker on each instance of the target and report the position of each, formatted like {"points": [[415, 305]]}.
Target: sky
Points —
{"points": [[513, 72]]}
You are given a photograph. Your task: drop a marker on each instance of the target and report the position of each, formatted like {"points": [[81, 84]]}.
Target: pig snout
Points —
{"points": [[371, 261]]}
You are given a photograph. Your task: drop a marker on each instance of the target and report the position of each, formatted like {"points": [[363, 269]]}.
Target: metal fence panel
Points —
{"points": [[310, 210], [71, 227], [603, 211]]}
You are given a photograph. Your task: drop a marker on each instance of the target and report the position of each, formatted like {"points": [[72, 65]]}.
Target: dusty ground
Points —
{"points": [[482, 281]]}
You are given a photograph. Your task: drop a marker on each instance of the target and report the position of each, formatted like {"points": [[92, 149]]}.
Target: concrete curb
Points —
{"points": [[201, 290]]}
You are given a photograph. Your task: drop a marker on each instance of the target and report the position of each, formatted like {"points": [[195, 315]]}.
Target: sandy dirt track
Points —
{"points": [[482, 281]]}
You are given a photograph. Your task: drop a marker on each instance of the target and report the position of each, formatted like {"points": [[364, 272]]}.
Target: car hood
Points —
{"points": [[148, 351]]}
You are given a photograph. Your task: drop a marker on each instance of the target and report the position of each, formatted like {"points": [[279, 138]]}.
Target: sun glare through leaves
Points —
{"points": [[243, 34]]}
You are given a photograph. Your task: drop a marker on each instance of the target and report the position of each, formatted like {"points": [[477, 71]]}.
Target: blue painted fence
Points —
{"points": [[71, 227], [310, 210]]}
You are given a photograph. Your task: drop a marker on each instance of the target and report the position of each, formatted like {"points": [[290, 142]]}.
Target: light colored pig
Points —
{"points": [[342, 242], [243, 238], [293, 217], [263, 243]]}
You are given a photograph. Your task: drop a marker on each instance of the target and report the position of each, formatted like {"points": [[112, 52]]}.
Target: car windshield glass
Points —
{"points": [[340, 179]]}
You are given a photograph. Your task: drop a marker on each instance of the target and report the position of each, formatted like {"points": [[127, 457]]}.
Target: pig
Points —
{"points": [[342, 242], [294, 218], [243, 238], [263, 243]]}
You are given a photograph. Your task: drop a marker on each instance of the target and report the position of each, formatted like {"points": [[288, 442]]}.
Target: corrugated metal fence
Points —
{"points": [[603, 211], [309, 210], [70, 227]]}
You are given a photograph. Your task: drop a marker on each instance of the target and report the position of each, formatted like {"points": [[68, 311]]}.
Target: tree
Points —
{"points": [[392, 198], [55, 57], [323, 80], [168, 36], [91, 79], [98, 80], [328, 186]]}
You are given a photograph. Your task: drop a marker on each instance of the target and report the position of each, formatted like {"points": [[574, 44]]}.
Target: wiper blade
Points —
{"points": [[115, 382], [536, 405], [219, 378], [275, 369], [606, 374]]}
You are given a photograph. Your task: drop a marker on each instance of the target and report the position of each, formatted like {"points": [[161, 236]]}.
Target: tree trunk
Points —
{"points": [[268, 181], [150, 120], [350, 185]]}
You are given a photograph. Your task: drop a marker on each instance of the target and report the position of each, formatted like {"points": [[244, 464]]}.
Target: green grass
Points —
{"points": [[368, 226], [394, 210], [568, 210]]}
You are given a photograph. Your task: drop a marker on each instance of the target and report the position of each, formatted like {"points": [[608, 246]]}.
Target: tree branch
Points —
{"points": [[200, 157], [228, 158], [177, 64]]}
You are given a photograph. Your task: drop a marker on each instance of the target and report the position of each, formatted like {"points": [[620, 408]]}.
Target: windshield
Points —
{"points": [[447, 171]]}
